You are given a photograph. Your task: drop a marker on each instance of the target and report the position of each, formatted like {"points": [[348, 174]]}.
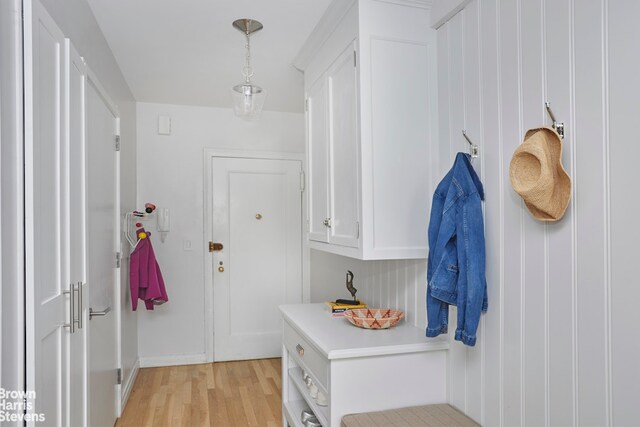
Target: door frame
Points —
{"points": [[12, 249], [209, 155], [93, 80]]}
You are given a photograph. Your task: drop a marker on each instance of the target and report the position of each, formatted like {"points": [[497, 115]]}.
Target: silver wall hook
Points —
{"points": [[473, 149], [559, 127]]}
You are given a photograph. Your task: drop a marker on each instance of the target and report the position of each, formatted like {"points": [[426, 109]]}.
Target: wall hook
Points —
{"points": [[473, 149], [559, 127]]}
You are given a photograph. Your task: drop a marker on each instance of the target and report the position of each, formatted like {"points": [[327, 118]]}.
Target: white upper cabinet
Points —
{"points": [[370, 84]]}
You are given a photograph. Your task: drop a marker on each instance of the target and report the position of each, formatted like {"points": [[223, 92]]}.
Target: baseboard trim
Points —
{"points": [[188, 359], [128, 385]]}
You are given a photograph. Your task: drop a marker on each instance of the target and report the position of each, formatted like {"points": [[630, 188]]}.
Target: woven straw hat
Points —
{"points": [[537, 174]]}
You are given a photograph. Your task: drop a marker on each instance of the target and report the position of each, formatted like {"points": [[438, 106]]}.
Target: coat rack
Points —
{"points": [[559, 127], [473, 149], [128, 228]]}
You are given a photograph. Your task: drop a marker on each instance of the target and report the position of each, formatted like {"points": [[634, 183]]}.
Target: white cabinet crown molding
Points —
{"points": [[331, 19], [424, 4], [443, 10], [323, 29]]}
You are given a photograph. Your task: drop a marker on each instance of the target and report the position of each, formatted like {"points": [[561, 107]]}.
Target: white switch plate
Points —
{"points": [[186, 245], [164, 125]]}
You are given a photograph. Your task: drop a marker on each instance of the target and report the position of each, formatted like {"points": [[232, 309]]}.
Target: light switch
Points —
{"points": [[186, 245], [164, 125]]}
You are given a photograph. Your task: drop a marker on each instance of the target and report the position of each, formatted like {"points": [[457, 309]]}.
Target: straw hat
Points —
{"points": [[537, 174]]}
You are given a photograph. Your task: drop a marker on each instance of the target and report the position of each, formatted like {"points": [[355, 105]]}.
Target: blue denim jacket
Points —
{"points": [[456, 264]]}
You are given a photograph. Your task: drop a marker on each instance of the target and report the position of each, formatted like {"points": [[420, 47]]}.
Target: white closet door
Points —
{"points": [[46, 222], [76, 80], [343, 146], [103, 243]]}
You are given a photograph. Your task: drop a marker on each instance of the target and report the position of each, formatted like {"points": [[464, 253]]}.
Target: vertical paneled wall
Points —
{"points": [[559, 344], [397, 284]]}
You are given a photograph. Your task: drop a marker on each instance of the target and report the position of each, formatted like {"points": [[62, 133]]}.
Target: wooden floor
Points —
{"points": [[229, 394]]}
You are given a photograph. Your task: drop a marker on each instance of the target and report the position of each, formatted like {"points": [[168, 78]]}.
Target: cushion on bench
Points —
{"points": [[441, 415]]}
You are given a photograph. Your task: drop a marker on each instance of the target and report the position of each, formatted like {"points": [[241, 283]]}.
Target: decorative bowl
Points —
{"points": [[374, 318]]}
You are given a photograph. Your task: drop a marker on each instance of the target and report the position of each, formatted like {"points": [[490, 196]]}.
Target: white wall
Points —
{"points": [[76, 20], [559, 344], [11, 199], [170, 174]]}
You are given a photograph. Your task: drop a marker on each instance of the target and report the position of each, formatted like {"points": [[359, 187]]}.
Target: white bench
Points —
{"points": [[441, 415]]}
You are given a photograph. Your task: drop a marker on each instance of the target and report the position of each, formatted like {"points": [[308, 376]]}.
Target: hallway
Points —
{"points": [[214, 394]]}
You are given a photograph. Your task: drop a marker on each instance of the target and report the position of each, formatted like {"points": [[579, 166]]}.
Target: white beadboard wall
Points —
{"points": [[396, 284], [560, 344]]}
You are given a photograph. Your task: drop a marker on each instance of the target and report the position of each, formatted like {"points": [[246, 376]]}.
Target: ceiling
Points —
{"points": [[186, 51]]}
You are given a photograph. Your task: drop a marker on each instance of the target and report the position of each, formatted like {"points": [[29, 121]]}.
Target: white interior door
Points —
{"points": [[76, 79], [45, 200], [102, 223], [257, 217]]}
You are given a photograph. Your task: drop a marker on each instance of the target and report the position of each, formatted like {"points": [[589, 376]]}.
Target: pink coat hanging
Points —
{"points": [[145, 278]]}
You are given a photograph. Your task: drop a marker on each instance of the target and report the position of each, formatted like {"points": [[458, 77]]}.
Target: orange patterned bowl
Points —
{"points": [[374, 318]]}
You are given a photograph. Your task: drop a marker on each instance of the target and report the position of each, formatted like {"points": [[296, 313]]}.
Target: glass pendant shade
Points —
{"points": [[248, 100]]}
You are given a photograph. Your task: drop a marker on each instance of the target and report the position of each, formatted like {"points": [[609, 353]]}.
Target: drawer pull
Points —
{"points": [[300, 350]]}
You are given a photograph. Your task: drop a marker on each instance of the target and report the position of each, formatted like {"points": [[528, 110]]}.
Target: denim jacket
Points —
{"points": [[456, 264]]}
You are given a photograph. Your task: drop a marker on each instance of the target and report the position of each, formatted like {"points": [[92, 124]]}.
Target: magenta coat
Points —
{"points": [[145, 278]]}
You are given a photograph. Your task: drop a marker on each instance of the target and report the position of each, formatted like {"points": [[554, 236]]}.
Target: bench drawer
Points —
{"points": [[308, 356]]}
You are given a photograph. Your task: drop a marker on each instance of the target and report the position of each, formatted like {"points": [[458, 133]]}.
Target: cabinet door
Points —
{"points": [[343, 149], [318, 161]]}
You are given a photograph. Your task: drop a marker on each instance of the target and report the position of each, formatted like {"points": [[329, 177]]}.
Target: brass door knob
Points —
{"points": [[258, 216], [221, 269]]}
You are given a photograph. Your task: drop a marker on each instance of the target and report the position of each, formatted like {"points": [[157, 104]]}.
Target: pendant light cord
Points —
{"points": [[248, 72]]}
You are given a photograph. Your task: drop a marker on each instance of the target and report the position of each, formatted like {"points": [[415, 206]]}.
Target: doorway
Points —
{"points": [[254, 212]]}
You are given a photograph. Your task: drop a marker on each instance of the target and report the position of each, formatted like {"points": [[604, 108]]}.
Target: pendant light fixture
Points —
{"points": [[248, 98]]}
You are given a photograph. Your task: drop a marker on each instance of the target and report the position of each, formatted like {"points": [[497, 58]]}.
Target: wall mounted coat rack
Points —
{"points": [[473, 149], [558, 126]]}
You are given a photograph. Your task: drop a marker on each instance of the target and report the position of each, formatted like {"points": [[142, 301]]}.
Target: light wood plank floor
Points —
{"points": [[225, 394]]}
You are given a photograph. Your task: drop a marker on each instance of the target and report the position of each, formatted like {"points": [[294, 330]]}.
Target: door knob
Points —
{"points": [[221, 269]]}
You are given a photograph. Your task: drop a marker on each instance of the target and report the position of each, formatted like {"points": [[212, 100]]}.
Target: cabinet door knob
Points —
{"points": [[327, 222], [300, 350]]}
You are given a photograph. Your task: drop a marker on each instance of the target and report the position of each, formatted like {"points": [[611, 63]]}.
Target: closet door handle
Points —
{"points": [[80, 305], [72, 321], [98, 313]]}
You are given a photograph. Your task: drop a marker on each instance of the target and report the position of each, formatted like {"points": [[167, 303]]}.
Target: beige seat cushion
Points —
{"points": [[426, 416]]}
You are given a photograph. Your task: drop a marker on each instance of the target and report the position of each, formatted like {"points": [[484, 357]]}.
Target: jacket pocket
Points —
{"points": [[444, 281]]}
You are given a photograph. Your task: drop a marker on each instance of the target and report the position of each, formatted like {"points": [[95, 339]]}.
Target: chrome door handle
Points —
{"points": [[72, 321], [327, 222], [80, 303], [98, 313]]}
